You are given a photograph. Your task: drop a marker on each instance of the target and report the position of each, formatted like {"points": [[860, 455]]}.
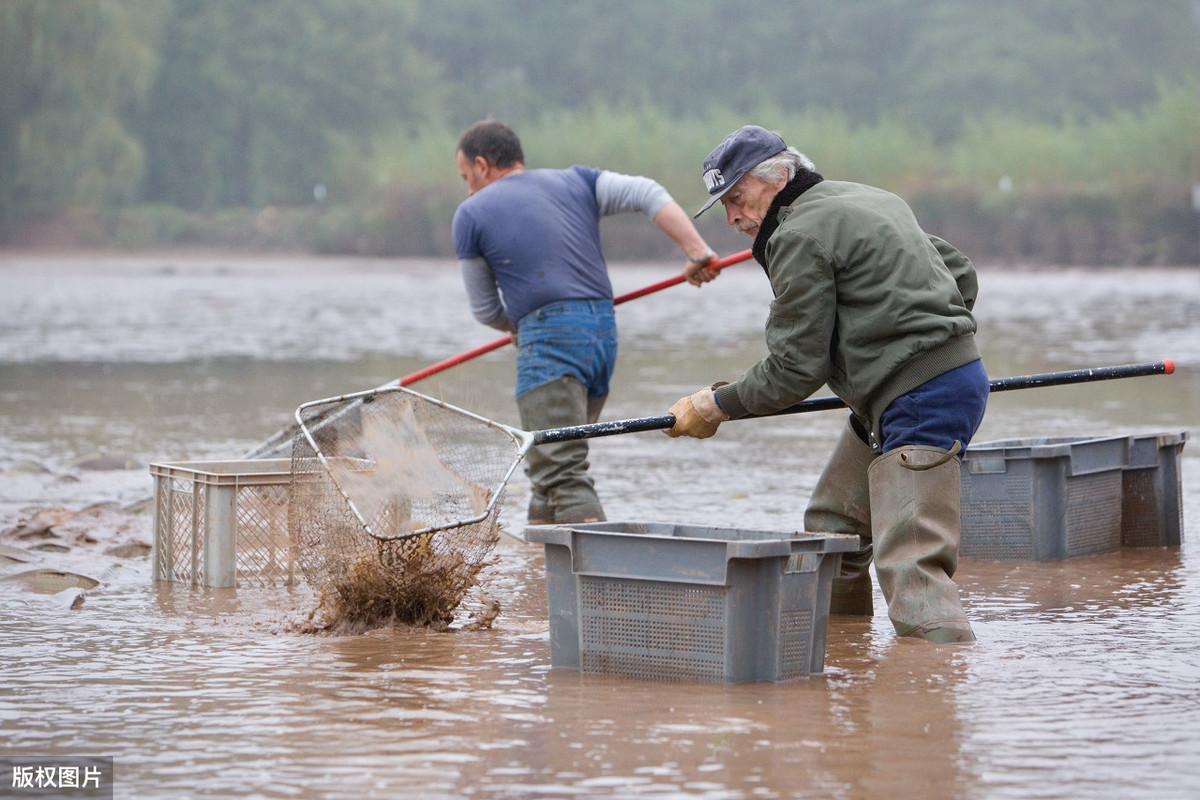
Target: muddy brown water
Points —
{"points": [[1085, 681]]}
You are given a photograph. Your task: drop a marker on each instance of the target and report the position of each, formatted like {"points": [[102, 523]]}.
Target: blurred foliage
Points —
{"points": [[935, 63], [1155, 143], [74, 77], [152, 105], [252, 96]]}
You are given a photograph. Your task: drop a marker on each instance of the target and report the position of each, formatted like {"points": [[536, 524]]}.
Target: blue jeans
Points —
{"points": [[940, 411], [570, 337]]}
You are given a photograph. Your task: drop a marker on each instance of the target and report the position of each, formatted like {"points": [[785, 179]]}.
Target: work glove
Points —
{"points": [[697, 415]]}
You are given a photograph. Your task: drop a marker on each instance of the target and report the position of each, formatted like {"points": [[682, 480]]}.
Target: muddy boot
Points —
{"points": [[594, 406], [841, 503], [540, 512], [587, 512], [559, 471], [915, 519]]}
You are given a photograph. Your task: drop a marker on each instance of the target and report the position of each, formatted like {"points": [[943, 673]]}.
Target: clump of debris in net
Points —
{"points": [[419, 587], [367, 478]]}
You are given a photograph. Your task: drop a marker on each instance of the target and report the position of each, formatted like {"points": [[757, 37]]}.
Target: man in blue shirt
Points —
{"points": [[528, 242]]}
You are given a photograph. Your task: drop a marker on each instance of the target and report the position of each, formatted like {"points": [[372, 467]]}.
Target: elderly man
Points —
{"points": [[870, 304], [528, 242]]}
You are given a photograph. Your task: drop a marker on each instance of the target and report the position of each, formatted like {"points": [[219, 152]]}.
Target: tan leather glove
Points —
{"points": [[697, 415]]}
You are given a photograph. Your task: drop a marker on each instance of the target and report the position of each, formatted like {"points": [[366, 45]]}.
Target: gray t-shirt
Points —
{"points": [[534, 238]]}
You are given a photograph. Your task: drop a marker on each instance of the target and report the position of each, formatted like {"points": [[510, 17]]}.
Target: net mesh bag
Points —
{"points": [[395, 499]]}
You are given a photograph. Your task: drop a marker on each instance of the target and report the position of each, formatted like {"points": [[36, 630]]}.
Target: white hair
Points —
{"points": [[790, 160]]}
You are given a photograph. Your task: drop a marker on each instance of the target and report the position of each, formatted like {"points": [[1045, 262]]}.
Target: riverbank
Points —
{"points": [[1149, 224]]}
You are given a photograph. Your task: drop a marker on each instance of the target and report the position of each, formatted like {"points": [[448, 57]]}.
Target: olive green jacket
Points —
{"points": [[864, 301]]}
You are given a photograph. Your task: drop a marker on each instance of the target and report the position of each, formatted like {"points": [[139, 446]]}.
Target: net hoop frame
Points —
{"points": [[522, 440]]}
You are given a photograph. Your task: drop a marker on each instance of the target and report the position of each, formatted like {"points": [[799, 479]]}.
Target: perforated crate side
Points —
{"points": [[1093, 523], [652, 630], [1152, 510], [179, 531], [997, 513], [1140, 517], [796, 642], [263, 552], [161, 552], [656, 601]]}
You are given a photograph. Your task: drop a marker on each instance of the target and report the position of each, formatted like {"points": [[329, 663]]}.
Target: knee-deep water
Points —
{"points": [[1085, 681]]}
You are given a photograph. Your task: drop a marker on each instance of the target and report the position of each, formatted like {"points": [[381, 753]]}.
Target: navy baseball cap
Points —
{"points": [[740, 152]]}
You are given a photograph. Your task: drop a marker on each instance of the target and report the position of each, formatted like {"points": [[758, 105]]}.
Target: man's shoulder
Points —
{"points": [[574, 173], [543, 179], [466, 216], [497, 195], [835, 199], [463, 212], [818, 216], [835, 191]]}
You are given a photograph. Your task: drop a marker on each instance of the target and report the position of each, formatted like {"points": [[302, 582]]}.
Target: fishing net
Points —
{"points": [[394, 501]]}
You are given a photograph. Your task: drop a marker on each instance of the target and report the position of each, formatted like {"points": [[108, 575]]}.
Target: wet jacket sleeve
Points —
{"points": [[799, 331], [961, 268]]}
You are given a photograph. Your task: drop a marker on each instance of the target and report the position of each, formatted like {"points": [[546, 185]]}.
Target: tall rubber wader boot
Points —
{"points": [[841, 503], [563, 492], [915, 519]]}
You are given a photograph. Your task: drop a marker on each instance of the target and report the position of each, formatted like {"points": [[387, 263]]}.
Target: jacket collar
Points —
{"points": [[804, 180]]}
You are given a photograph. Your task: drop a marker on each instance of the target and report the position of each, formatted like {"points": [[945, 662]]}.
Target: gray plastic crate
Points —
{"points": [[1054, 498], [680, 602]]}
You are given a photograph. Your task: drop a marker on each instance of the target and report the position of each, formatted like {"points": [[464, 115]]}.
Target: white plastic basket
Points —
{"points": [[223, 523]]}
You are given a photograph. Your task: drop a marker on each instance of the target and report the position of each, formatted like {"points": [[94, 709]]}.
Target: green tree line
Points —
{"points": [[162, 118]]}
